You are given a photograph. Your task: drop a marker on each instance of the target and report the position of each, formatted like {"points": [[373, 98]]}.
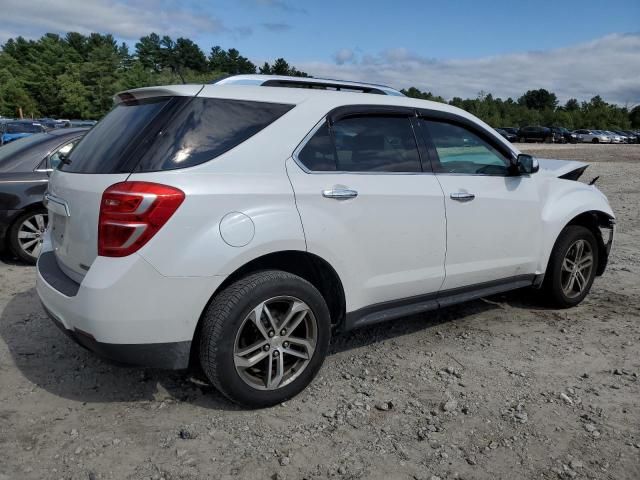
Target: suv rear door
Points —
{"points": [[369, 206]]}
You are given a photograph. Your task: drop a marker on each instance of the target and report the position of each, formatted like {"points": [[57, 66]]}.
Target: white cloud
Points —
{"points": [[608, 66], [344, 55], [124, 20]]}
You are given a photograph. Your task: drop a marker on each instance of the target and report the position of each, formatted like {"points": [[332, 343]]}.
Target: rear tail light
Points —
{"points": [[131, 213]]}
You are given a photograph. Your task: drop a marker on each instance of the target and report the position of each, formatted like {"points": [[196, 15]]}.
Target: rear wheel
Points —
{"points": [[264, 338], [572, 267], [26, 235]]}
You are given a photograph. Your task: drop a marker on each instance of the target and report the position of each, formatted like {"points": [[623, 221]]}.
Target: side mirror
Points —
{"points": [[526, 164]]}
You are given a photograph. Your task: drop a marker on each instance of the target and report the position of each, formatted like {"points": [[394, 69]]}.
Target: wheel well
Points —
{"points": [[596, 221], [312, 268]]}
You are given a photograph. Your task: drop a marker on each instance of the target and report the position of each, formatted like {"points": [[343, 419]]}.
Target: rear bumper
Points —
{"points": [[126, 311], [170, 356]]}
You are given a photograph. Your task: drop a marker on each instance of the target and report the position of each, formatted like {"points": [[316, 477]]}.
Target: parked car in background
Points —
{"points": [[538, 134], [614, 137], [49, 123], [512, 137], [25, 166], [243, 225], [16, 129], [567, 136], [626, 138], [592, 136], [511, 130], [83, 123], [631, 135]]}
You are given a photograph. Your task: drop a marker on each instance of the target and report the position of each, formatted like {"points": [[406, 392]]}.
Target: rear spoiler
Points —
{"points": [[154, 92]]}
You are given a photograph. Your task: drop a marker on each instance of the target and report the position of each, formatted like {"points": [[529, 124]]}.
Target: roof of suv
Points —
{"points": [[308, 82]]}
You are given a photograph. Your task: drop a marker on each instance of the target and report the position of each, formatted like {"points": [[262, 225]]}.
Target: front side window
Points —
{"points": [[363, 144], [462, 151]]}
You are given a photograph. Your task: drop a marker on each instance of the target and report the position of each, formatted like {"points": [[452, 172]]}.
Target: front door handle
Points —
{"points": [[339, 193], [462, 196]]}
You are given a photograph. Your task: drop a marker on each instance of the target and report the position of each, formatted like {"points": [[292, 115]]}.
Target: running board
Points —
{"points": [[381, 312]]}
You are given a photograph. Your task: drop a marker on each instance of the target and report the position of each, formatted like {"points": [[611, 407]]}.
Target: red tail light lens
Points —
{"points": [[131, 213]]}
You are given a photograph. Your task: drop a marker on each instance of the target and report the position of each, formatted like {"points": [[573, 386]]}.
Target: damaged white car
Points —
{"points": [[241, 224]]}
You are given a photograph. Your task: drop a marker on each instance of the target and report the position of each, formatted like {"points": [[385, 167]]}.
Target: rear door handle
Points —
{"points": [[339, 193], [462, 196]]}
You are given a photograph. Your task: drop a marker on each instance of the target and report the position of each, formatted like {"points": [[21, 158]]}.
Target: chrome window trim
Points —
{"points": [[308, 137]]}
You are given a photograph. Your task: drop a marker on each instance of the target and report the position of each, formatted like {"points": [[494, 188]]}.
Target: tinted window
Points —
{"points": [[319, 153], [363, 144], [462, 151], [103, 149], [169, 133], [206, 128]]}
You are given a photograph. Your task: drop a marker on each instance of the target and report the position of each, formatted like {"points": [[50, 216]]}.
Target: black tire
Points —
{"points": [[595, 140], [14, 243], [224, 317], [552, 286]]}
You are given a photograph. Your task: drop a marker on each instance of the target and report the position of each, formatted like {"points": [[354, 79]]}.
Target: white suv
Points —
{"points": [[240, 226]]}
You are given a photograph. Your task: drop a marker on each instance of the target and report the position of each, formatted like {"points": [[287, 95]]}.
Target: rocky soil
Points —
{"points": [[498, 388]]}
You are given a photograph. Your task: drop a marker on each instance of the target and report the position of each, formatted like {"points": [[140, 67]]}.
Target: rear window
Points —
{"points": [[169, 133], [104, 148]]}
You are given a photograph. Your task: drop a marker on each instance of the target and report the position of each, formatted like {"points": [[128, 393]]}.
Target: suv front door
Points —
{"points": [[370, 208], [493, 217]]}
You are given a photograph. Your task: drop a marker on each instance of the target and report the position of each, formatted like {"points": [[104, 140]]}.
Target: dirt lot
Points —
{"points": [[497, 388]]}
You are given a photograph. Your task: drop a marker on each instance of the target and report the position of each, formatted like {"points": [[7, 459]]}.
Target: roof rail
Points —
{"points": [[306, 82]]}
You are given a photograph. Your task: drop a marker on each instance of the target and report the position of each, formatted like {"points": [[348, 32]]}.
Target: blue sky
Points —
{"points": [[453, 48]]}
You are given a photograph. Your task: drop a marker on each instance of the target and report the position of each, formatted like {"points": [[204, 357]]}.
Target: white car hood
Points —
{"points": [[558, 168]]}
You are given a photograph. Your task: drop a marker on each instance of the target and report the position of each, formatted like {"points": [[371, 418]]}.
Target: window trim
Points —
{"points": [[347, 111], [456, 120]]}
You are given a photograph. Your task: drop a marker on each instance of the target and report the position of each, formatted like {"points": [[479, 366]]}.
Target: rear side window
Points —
{"points": [[363, 144], [206, 128], [169, 133]]}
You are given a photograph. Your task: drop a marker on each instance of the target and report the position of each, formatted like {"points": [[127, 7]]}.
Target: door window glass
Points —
{"points": [[363, 144], [462, 151], [55, 158]]}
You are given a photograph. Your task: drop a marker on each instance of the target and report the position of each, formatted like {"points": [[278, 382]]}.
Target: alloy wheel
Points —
{"points": [[275, 343], [31, 234], [576, 268]]}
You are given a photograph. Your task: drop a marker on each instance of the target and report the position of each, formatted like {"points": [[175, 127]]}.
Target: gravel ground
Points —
{"points": [[497, 388]]}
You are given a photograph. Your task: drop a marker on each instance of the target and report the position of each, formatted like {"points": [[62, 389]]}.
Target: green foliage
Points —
{"points": [[539, 107], [76, 76], [281, 67], [229, 61]]}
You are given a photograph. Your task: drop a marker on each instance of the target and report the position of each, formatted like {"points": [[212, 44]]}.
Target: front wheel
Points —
{"points": [[572, 267], [264, 338]]}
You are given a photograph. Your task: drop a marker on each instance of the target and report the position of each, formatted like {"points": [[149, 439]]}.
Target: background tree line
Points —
{"points": [[541, 107], [75, 76]]}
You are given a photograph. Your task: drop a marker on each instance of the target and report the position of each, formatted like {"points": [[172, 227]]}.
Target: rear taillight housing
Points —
{"points": [[131, 213]]}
